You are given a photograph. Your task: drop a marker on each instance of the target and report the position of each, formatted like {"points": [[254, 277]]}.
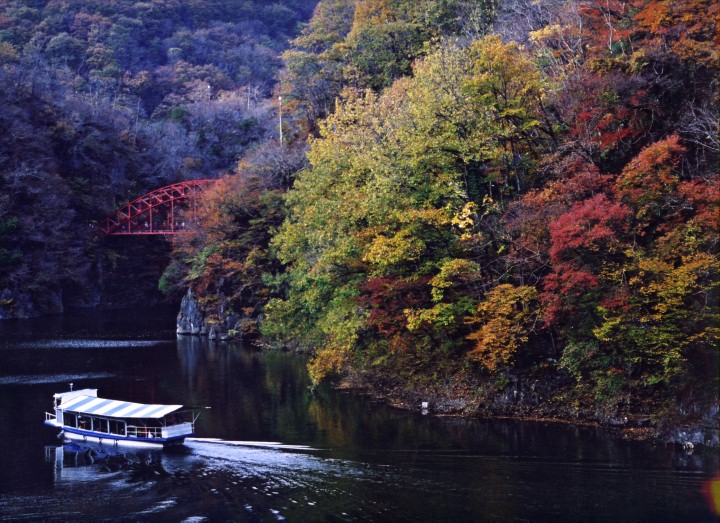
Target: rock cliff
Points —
{"points": [[197, 317]]}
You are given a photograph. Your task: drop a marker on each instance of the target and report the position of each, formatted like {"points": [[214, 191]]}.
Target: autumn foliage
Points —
{"points": [[554, 201]]}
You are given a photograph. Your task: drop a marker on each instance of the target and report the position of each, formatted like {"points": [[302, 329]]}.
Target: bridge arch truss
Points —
{"points": [[162, 211]]}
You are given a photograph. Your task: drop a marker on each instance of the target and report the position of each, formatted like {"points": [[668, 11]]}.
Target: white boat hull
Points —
{"points": [[109, 439], [71, 436]]}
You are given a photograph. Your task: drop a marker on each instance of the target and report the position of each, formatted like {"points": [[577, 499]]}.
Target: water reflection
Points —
{"points": [[72, 461], [252, 395], [382, 461], [270, 448]]}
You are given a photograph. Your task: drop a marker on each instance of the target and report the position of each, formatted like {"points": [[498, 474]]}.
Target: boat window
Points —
{"points": [[83, 422], [100, 425], [69, 419], [117, 427]]}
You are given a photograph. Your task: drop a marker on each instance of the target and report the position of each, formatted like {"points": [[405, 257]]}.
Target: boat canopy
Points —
{"points": [[115, 409]]}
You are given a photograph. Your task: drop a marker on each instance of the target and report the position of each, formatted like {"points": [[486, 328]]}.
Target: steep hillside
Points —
{"points": [[525, 209], [101, 101]]}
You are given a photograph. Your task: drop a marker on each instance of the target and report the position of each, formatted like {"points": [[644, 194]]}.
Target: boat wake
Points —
{"points": [[273, 481], [236, 480], [258, 444]]}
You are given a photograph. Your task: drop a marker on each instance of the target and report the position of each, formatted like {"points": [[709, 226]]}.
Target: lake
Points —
{"points": [[269, 448]]}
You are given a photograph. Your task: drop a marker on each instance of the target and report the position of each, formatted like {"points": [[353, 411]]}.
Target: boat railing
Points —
{"points": [[49, 416], [144, 432], [160, 432]]}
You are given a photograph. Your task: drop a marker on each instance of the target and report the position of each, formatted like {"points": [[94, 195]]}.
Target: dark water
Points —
{"points": [[269, 449]]}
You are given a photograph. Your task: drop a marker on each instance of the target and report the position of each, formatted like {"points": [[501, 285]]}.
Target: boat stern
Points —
{"points": [[181, 430]]}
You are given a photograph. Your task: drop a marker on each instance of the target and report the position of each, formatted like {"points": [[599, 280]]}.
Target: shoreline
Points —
{"points": [[682, 434]]}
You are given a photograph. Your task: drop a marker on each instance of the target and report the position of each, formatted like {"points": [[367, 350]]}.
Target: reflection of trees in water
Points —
{"points": [[253, 395]]}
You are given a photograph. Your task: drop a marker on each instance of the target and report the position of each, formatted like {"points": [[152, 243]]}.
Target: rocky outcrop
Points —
{"points": [[701, 426], [691, 436], [191, 318], [196, 317], [228, 328]]}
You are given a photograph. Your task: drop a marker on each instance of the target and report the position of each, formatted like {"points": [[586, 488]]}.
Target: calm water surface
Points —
{"points": [[269, 449]]}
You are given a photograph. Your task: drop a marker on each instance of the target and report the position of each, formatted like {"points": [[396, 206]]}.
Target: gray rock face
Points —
{"points": [[692, 436], [215, 321], [191, 318]]}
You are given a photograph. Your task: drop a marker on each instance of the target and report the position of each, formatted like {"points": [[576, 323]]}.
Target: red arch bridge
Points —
{"points": [[167, 210]]}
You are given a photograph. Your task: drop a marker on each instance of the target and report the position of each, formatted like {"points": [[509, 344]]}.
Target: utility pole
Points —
{"points": [[280, 116]]}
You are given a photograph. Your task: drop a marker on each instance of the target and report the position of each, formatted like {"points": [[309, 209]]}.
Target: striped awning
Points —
{"points": [[116, 409]]}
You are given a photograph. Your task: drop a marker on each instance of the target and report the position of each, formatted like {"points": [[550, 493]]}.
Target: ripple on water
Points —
{"points": [[278, 482], [159, 507], [30, 379], [90, 344]]}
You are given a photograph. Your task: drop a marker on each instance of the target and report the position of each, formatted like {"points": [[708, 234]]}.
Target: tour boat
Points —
{"points": [[82, 415]]}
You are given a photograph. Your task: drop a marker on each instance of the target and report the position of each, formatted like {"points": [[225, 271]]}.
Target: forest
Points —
{"points": [[506, 206], [103, 101]]}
